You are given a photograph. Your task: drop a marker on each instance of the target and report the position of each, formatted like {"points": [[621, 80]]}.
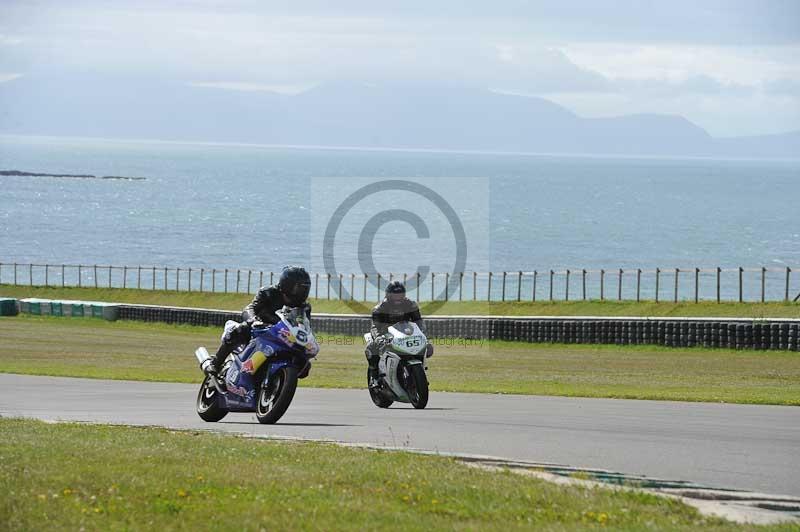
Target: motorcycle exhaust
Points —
{"points": [[205, 359]]}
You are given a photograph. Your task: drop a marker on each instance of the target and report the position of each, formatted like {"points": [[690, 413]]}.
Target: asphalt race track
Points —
{"points": [[746, 447]]}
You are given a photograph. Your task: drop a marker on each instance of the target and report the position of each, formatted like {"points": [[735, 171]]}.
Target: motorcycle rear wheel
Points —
{"points": [[208, 403], [277, 395], [417, 386], [377, 397]]}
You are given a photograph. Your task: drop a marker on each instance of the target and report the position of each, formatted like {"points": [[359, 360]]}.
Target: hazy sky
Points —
{"points": [[731, 66]]}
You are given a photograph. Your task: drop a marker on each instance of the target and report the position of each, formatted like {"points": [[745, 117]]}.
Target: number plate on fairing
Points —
{"points": [[409, 343]]}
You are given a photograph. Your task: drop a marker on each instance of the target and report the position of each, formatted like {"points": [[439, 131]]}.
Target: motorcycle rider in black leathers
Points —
{"points": [[394, 308], [292, 290]]}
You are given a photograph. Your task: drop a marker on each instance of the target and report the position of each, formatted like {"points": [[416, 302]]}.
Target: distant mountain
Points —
{"points": [[349, 114]]}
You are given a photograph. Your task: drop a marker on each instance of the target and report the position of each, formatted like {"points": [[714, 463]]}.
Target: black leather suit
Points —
{"points": [[266, 302]]}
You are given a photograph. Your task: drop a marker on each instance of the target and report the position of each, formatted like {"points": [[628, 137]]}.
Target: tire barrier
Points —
{"points": [[8, 306], [179, 315], [82, 309], [732, 333]]}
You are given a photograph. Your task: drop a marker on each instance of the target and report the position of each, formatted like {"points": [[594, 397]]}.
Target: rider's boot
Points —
{"points": [[373, 372], [218, 359]]}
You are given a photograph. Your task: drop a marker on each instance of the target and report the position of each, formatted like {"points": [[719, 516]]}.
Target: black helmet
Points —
{"points": [[295, 284], [395, 287], [395, 293]]}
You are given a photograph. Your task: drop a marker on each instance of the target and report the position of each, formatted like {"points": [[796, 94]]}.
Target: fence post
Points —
{"points": [[124, 277], [316, 284], [379, 286], [719, 274], [109, 276], [602, 284], [519, 286], [658, 278], [474, 286], [566, 290], [446, 286], [46, 275], [238, 278], [166, 274], [260, 278], [741, 273], [365, 289], [551, 285], [226, 281], [213, 280], [352, 285], [202, 274], [638, 283], [95, 275], [489, 289], [696, 285], [583, 284], [461, 287], [433, 276], [80, 275], [340, 286], [30, 274], [249, 278], [619, 286], [154, 277], [329, 287], [677, 272], [533, 290], [788, 272], [190, 280], [419, 292], [63, 274], [177, 279], [763, 281], [503, 296]]}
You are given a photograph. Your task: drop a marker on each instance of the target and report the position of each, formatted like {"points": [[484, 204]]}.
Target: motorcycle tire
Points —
{"points": [[417, 386], [207, 404], [274, 398], [377, 397]]}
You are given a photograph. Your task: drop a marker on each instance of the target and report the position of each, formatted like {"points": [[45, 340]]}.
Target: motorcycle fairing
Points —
{"points": [[239, 378]]}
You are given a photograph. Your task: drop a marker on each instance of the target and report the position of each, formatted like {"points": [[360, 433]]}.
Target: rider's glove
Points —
{"points": [[429, 351]]}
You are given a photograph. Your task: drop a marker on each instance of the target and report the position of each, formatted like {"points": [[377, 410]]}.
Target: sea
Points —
{"points": [[355, 210]]}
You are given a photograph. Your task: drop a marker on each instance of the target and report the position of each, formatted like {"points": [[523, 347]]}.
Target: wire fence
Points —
{"points": [[621, 284]]}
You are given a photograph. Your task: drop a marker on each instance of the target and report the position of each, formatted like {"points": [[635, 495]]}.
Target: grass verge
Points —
{"points": [[539, 308], [96, 477], [152, 351]]}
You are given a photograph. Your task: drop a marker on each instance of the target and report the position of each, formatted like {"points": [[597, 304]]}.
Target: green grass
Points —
{"points": [[84, 347], [539, 308], [98, 477]]}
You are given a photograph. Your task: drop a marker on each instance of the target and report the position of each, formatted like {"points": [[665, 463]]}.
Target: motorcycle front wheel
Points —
{"points": [[208, 403], [276, 396], [417, 386]]}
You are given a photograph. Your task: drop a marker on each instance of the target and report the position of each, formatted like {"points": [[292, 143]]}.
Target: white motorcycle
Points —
{"points": [[402, 367]]}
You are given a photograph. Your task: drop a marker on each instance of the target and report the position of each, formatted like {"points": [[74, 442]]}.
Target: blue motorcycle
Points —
{"points": [[262, 376]]}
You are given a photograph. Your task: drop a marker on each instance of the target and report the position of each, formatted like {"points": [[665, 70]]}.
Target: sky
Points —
{"points": [[730, 66]]}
